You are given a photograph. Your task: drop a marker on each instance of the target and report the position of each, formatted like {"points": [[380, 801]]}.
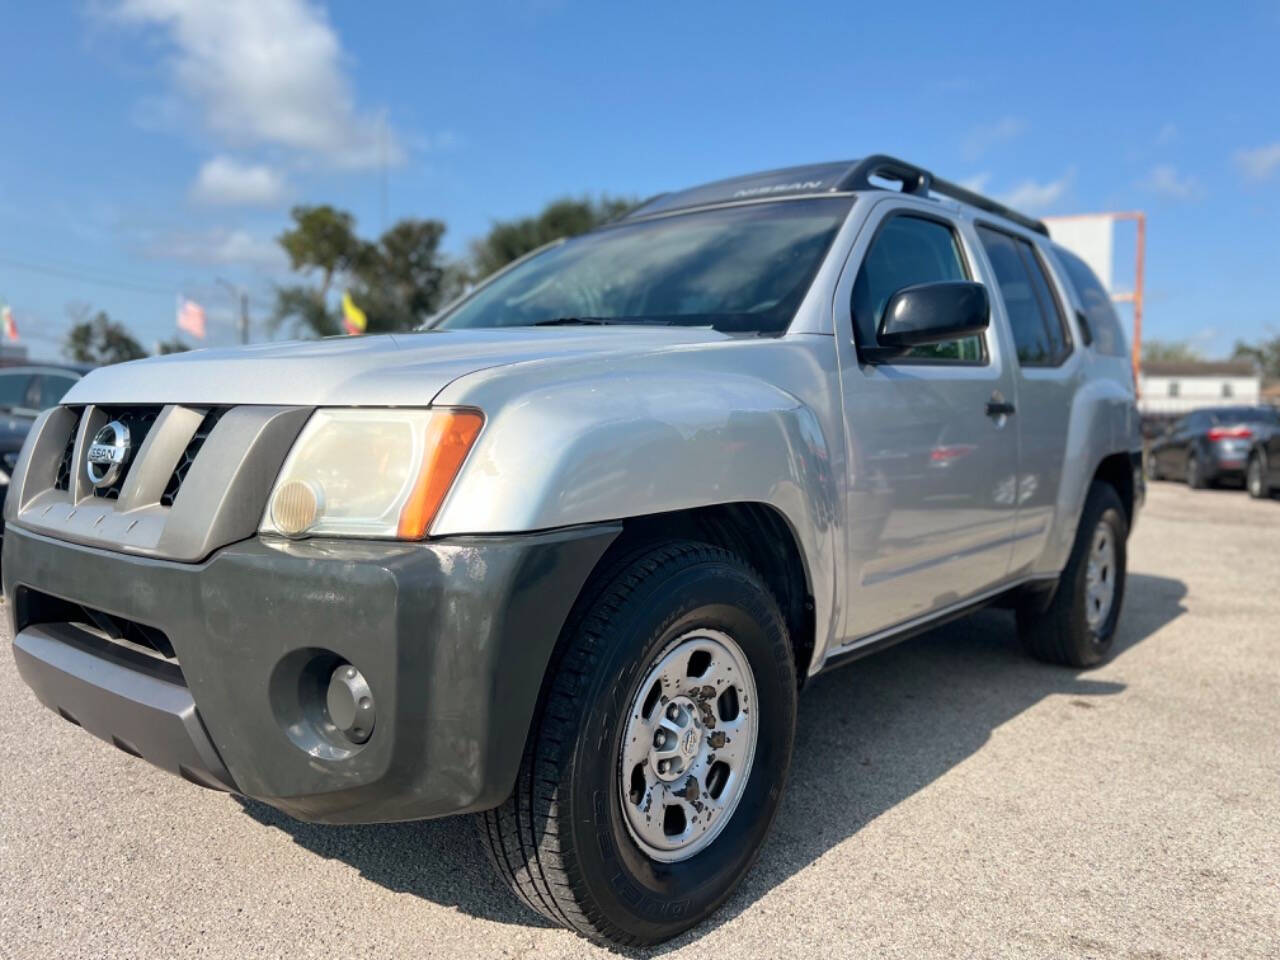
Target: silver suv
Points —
{"points": [[565, 558]]}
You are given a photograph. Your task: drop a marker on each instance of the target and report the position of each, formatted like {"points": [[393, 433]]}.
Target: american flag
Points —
{"points": [[191, 317]]}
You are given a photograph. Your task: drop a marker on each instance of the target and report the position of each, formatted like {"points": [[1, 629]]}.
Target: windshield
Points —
{"points": [[735, 268], [1245, 415]]}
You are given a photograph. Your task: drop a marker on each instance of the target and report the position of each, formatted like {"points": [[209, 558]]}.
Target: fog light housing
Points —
{"points": [[349, 702]]}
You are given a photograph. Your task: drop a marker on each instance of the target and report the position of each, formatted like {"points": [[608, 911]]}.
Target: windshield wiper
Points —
{"points": [[599, 321], [569, 322]]}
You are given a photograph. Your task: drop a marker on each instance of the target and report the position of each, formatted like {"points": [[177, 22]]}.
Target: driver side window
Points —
{"points": [[908, 250]]}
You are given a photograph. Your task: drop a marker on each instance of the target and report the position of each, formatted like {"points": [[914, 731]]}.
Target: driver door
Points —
{"points": [[932, 491]]}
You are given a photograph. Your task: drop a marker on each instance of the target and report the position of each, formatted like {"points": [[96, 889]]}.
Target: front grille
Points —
{"points": [[139, 420], [63, 479], [120, 639], [189, 455]]}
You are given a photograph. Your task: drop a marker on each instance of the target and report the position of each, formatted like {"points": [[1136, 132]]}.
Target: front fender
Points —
{"points": [[568, 451]]}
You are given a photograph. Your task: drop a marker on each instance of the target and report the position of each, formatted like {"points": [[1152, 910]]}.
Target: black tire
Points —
{"points": [[1153, 467], [1256, 481], [1195, 474], [1062, 633], [561, 841]]}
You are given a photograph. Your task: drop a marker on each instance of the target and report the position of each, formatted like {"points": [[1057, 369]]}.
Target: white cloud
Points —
{"points": [[977, 183], [226, 181], [987, 135], [219, 247], [268, 72], [1165, 180], [1260, 162], [1031, 196]]}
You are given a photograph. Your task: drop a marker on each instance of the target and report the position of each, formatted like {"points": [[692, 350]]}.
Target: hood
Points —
{"points": [[403, 369]]}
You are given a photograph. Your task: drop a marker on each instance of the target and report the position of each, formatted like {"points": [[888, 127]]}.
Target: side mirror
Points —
{"points": [[927, 313]]}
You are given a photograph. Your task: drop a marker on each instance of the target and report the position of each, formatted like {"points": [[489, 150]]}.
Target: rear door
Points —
{"points": [[16, 391], [1048, 371], [932, 475], [1272, 451], [1166, 449], [1194, 428]]}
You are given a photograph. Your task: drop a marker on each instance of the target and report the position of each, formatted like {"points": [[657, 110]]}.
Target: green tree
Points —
{"points": [[322, 241], [1265, 355], [172, 345], [398, 281], [508, 240], [97, 339], [1169, 351]]}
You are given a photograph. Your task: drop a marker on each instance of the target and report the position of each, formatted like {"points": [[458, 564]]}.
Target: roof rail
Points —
{"points": [[920, 182]]}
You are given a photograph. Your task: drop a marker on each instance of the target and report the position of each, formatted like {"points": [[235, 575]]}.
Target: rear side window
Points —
{"points": [[1244, 415], [908, 250], [52, 389], [1034, 313], [1108, 337]]}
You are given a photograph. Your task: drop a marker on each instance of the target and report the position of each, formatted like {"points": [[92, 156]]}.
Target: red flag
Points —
{"points": [[191, 317], [10, 328]]}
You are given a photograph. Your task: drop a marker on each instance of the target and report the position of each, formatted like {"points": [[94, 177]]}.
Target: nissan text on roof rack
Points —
{"points": [[565, 559]]}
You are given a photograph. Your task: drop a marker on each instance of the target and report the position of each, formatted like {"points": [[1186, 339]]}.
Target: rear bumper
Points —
{"points": [[453, 637]]}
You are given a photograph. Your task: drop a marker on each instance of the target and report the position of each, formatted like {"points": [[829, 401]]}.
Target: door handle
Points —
{"points": [[1000, 408]]}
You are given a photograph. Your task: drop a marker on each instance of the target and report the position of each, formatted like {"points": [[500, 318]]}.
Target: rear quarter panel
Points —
{"points": [[1103, 421]]}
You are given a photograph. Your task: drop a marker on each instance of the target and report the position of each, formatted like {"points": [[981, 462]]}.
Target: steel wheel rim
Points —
{"points": [[1255, 476], [1100, 576], [688, 745]]}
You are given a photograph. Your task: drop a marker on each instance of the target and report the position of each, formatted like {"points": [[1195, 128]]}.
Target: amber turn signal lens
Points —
{"points": [[450, 435]]}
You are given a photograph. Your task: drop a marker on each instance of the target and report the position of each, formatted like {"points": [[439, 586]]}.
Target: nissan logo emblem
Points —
{"points": [[107, 454]]}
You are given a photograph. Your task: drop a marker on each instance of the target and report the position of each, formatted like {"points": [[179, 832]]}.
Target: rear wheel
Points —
{"points": [[1195, 473], [1153, 467], [1256, 477], [1078, 627], [655, 766]]}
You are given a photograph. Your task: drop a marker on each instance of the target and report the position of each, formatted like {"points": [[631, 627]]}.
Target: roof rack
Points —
{"points": [[920, 182]]}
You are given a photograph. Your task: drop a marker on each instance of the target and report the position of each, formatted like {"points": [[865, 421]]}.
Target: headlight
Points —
{"points": [[370, 473]]}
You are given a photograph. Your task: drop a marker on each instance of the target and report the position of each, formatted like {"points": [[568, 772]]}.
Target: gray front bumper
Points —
{"points": [[453, 636]]}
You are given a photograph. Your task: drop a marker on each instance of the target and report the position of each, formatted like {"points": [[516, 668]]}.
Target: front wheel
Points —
{"points": [[655, 766], [1256, 478], [1078, 628]]}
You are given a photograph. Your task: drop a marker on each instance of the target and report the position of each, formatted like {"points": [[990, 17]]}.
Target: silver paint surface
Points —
{"points": [[904, 497]]}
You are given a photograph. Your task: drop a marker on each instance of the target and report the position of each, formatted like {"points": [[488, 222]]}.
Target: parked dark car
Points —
{"points": [[1262, 475], [1210, 445], [24, 393]]}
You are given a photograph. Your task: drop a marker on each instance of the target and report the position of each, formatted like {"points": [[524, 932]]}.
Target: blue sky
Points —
{"points": [[153, 146]]}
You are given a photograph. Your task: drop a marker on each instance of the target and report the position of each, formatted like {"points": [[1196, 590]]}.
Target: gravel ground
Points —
{"points": [[949, 798]]}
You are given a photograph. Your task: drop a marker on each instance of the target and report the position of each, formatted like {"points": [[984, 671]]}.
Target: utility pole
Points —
{"points": [[244, 317], [242, 299]]}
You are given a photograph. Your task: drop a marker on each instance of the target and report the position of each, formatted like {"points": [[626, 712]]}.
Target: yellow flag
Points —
{"points": [[353, 317]]}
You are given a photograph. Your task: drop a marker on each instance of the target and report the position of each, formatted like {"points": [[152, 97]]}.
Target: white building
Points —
{"points": [[1179, 387]]}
